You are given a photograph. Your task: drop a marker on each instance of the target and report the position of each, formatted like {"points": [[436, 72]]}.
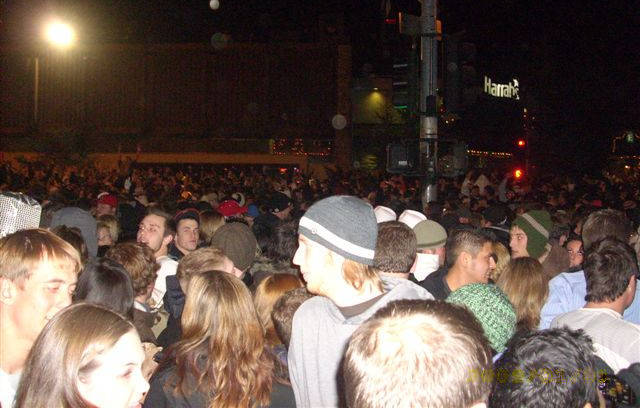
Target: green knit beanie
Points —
{"points": [[536, 224], [492, 309]]}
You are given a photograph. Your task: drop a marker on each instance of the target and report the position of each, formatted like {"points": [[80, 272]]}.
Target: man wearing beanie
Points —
{"points": [[530, 234], [431, 238], [337, 241]]}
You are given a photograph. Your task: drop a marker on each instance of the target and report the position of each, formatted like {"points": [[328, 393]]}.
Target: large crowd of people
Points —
{"points": [[255, 286]]}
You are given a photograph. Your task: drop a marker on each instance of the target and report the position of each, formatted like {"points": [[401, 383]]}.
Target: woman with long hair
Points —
{"points": [[526, 285], [266, 295], [221, 359], [87, 356]]}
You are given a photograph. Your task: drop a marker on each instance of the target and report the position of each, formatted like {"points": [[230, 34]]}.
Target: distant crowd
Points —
{"points": [[237, 286]]}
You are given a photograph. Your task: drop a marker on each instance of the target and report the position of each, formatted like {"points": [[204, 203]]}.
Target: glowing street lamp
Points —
{"points": [[59, 35]]}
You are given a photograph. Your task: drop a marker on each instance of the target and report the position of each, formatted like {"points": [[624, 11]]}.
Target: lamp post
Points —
{"points": [[59, 35]]}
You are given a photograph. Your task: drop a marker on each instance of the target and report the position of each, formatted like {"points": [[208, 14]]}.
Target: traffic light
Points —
{"points": [[521, 143], [401, 79], [405, 81]]}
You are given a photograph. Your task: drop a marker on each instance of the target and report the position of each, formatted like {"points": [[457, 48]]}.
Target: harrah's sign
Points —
{"points": [[509, 90]]}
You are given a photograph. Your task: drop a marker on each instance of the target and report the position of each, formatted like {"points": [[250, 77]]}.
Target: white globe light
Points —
{"points": [[60, 34], [339, 122], [214, 4]]}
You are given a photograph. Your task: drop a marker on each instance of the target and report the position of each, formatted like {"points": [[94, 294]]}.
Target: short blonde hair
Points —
{"points": [[438, 345], [111, 224], [200, 260], [23, 251]]}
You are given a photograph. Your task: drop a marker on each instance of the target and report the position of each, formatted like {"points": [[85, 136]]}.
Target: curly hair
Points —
{"points": [[140, 263]]}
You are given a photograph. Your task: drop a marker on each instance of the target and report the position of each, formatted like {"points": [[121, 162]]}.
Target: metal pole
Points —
{"points": [[36, 88], [428, 105]]}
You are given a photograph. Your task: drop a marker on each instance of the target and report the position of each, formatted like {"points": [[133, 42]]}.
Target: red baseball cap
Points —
{"points": [[109, 199], [229, 208]]}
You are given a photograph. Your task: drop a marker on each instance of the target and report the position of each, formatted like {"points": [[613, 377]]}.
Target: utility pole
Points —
{"points": [[428, 104]]}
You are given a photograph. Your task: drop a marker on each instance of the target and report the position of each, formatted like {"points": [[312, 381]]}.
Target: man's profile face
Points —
{"points": [[482, 264], [518, 242], [37, 299], [312, 259], [151, 232], [187, 235]]}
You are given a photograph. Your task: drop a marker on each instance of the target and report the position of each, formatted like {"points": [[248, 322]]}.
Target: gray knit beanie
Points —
{"points": [[344, 224]]}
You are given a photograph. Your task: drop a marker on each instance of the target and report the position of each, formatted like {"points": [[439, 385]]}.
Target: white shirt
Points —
{"points": [[616, 341], [8, 387], [168, 267]]}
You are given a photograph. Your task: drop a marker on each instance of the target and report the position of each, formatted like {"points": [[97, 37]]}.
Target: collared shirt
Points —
{"points": [[567, 292], [168, 267], [615, 341]]}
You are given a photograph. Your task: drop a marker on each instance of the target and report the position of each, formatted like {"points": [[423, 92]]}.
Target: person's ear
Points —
{"points": [[167, 240], [8, 291], [631, 287], [465, 258]]}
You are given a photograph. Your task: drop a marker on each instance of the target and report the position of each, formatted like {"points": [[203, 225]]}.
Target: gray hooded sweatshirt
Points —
{"points": [[319, 338], [81, 219]]}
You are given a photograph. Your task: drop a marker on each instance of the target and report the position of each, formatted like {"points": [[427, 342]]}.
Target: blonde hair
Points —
{"points": [[22, 252], [210, 221], [200, 260], [267, 294], [440, 346], [111, 224], [502, 258], [526, 285], [65, 352], [220, 326], [360, 276]]}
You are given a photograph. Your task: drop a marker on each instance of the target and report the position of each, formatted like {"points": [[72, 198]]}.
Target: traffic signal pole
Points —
{"points": [[428, 105]]}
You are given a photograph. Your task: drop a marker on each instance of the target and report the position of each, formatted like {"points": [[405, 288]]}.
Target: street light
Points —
{"points": [[61, 36]]}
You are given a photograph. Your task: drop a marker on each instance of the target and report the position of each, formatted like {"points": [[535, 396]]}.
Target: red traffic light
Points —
{"points": [[518, 173], [521, 143]]}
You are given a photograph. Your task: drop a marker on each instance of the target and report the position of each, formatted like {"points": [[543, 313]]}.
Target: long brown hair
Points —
{"points": [[267, 294], [65, 352], [222, 343], [526, 285]]}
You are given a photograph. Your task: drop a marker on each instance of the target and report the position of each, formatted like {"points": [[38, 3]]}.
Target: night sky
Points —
{"points": [[578, 61]]}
